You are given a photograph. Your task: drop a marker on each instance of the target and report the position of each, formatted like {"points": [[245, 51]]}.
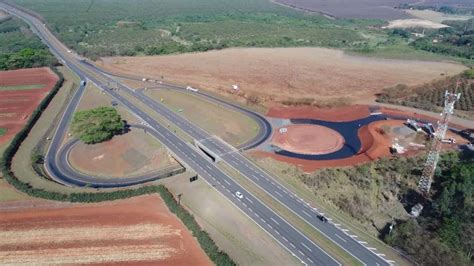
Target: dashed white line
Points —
{"points": [[306, 247], [274, 220], [309, 215], [340, 237]]}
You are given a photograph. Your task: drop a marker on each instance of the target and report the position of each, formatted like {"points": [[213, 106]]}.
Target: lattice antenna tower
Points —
{"points": [[433, 154]]}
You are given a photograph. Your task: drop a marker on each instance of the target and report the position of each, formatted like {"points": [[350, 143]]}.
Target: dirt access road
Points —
{"points": [[140, 230], [279, 74]]}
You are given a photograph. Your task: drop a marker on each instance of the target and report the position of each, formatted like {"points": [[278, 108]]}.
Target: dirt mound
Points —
{"points": [[138, 230], [308, 139]]}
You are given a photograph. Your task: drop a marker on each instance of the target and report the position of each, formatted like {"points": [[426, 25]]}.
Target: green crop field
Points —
{"points": [[21, 87], [3, 131], [132, 27]]}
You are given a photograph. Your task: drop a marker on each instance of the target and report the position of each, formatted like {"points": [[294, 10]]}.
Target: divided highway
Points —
{"points": [[289, 237], [263, 180]]}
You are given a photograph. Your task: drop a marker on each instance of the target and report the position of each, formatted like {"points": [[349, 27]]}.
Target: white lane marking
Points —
{"points": [[249, 200], [274, 220], [228, 183], [276, 192], [292, 245], [284, 238], [362, 242], [340, 237], [306, 213], [306, 247]]}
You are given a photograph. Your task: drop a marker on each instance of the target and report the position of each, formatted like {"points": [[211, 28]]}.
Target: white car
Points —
{"points": [[239, 195]]}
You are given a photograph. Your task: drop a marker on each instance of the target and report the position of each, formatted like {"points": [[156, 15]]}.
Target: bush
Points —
{"points": [[217, 256], [97, 125]]}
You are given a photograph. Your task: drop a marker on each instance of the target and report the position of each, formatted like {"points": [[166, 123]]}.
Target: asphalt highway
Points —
{"points": [[289, 237], [264, 127], [265, 181]]}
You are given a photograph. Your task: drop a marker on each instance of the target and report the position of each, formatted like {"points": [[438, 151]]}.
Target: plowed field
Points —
{"points": [[20, 93], [139, 230]]}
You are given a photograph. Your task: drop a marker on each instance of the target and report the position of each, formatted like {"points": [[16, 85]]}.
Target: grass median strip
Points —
{"points": [[318, 238]]}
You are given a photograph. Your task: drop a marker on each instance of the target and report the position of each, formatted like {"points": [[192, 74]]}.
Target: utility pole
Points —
{"points": [[433, 154]]}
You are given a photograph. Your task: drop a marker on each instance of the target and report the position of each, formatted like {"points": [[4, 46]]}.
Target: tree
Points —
{"points": [[97, 125]]}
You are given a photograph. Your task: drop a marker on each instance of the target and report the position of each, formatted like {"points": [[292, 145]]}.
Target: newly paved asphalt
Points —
{"points": [[289, 237]]}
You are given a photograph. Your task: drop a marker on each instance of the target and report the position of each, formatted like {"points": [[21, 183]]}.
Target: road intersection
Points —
{"points": [[282, 231]]}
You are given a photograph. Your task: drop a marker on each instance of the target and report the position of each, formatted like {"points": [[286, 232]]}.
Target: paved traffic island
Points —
{"points": [[308, 139]]}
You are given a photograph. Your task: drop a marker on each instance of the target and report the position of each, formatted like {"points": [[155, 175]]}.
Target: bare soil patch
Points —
{"points": [[269, 76], [376, 138], [126, 155], [337, 114], [414, 23], [140, 231], [17, 105], [434, 16], [308, 139]]}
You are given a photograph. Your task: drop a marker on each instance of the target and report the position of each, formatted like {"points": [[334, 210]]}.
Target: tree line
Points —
{"points": [[208, 245]]}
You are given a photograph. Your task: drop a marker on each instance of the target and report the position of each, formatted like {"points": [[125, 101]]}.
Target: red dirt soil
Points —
{"points": [[123, 156], [17, 105], [337, 114], [308, 139], [140, 230], [374, 144]]}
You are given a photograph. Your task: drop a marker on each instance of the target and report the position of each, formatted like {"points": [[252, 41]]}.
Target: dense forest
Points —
{"points": [[444, 233], [20, 48]]}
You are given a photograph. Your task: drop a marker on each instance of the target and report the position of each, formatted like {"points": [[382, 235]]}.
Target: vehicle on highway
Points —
{"points": [[83, 83], [189, 88], [322, 218], [239, 195]]}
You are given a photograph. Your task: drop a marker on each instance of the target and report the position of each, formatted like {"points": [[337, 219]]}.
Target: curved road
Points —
{"points": [[284, 233], [264, 127]]}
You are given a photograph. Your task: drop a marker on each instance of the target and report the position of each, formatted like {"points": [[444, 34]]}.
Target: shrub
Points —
{"points": [[97, 125], [208, 245]]}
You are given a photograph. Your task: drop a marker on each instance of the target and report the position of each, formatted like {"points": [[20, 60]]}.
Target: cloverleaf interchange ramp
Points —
{"points": [[283, 232]]}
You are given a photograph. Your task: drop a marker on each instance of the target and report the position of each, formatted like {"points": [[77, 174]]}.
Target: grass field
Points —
{"points": [[319, 76], [232, 231], [22, 87], [3, 131], [229, 125]]}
